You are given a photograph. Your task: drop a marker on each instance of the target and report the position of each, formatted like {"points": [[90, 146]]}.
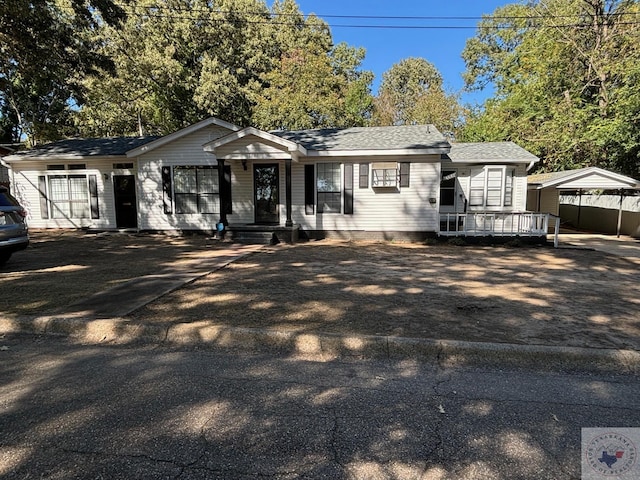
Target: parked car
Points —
{"points": [[14, 235]]}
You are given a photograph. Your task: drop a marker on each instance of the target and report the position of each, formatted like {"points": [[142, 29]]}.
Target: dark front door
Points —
{"points": [[124, 187], [265, 186]]}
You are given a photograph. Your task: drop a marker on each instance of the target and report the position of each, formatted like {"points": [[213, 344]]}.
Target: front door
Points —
{"points": [[124, 189], [452, 199], [266, 187]]}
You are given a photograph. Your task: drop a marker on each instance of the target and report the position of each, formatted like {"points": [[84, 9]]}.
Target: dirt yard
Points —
{"points": [[61, 267], [529, 295], [526, 295]]}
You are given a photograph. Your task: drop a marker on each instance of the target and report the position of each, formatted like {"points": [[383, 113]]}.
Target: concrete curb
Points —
{"points": [[326, 346]]}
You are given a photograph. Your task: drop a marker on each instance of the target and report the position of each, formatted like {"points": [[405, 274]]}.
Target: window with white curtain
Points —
{"points": [[69, 196]]}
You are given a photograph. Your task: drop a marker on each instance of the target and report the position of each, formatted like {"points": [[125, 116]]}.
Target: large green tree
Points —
{"points": [[566, 77], [46, 47], [313, 88], [412, 92], [179, 61]]}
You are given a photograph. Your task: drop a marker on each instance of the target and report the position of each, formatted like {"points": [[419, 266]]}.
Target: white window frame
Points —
{"points": [[56, 206], [507, 187]]}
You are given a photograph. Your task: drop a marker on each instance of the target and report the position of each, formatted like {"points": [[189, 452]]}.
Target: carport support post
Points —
{"points": [[223, 211], [620, 213], [579, 207]]}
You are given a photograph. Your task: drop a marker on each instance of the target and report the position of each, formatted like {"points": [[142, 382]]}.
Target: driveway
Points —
{"points": [[622, 246], [527, 296]]}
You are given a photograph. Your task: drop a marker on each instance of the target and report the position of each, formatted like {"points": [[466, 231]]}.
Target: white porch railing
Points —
{"points": [[494, 224]]}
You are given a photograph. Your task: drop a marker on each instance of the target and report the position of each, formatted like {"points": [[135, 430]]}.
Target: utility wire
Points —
{"points": [[274, 18]]}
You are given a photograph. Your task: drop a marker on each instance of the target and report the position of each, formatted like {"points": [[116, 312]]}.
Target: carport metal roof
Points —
{"points": [[589, 178]]}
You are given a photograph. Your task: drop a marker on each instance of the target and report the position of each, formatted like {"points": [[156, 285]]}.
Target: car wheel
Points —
{"points": [[4, 257]]}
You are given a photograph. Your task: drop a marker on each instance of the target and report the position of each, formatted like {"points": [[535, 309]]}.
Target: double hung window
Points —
{"points": [[69, 196], [491, 187], [196, 189], [329, 187]]}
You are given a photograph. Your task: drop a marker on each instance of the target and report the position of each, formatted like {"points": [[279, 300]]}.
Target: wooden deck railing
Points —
{"points": [[496, 224]]}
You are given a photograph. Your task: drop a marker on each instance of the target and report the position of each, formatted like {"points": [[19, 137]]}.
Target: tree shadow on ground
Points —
{"points": [[96, 412]]}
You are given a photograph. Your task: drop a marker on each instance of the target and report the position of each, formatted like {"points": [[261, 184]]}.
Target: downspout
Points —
{"points": [[223, 211]]}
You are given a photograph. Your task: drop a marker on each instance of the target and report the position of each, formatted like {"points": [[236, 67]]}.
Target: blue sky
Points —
{"points": [[386, 46]]}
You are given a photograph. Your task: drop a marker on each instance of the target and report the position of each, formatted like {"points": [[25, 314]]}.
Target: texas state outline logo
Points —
{"points": [[609, 454]]}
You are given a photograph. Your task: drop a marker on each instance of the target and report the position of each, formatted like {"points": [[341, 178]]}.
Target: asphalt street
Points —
{"points": [[71, 411]]}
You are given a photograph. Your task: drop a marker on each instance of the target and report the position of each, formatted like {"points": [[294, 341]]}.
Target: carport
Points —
{"points": [[543, 190]]}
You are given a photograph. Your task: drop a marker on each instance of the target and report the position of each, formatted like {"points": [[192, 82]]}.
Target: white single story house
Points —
{"points": [[398, 182]]}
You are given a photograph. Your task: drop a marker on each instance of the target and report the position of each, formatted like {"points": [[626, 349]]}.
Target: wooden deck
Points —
{"points": [[497, 224]]}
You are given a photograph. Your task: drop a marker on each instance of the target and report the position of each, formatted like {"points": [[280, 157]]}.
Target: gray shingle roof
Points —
{"points": [[405, 137], [85, 147], [480, 151]]}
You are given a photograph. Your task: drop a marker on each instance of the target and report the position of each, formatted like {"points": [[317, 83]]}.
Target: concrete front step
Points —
{"points": [[261, 238], [262, 234]]}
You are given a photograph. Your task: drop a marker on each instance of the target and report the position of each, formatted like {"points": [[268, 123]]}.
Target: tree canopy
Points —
{"points": [[412, 92], [46, 48], [566, 74], [235, 59]]}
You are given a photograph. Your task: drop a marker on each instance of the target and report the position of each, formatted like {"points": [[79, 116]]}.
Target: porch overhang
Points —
{"points": [[278, 148]]}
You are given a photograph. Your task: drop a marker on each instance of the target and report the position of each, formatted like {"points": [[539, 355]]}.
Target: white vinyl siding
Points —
{"points": [[184, 152], [75, 213], [405, 209]]}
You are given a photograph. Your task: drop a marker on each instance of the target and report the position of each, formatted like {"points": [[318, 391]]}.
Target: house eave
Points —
{"points": [[59, 158]]}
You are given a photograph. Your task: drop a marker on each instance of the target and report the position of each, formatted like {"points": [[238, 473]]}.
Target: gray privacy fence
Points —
{"points": [[599, 212]]}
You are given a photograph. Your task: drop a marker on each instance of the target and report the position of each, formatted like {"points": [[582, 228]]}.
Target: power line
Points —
{"points": [[199, 15], [371, 17]]}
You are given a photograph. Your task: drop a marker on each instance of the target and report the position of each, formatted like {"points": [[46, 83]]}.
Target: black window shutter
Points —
{"points": [[225, 190], [93, 196], [166, 190], [44, 205], [309, 189], [405, 168], [348, 188], [364, 175]]}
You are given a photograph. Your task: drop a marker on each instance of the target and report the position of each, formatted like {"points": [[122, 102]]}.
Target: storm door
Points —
{"points": [[452, 198], [266, 193], [124, 187]]}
